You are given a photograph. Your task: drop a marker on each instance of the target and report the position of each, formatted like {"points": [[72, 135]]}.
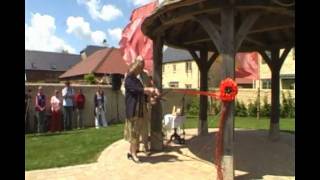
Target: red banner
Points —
{"points": [[247, 65], [133, 42]]}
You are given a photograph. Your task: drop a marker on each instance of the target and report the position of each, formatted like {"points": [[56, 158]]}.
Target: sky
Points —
{"points": [[57, 25]]}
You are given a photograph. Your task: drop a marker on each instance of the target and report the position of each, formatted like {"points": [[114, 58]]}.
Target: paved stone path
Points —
{"points": [[256, 158]]}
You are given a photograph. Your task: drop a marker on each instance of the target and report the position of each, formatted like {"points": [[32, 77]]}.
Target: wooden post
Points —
{"points": [[203, 121], [204, 67], [227, 44], [275, 64], [156, 110], [228, 57]]}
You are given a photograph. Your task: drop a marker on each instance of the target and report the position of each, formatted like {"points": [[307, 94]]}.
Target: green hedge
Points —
{"points": [[287, 107], [90, 78]]}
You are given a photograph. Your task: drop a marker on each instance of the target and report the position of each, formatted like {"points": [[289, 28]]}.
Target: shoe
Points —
{"points": [[129, 156], [147, 153], [135, 159]]}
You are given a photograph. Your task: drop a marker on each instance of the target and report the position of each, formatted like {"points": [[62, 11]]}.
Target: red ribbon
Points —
{"points": [[228, 91]]}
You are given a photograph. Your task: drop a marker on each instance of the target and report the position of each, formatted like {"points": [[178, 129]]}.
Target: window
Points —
{"points": [[188, 67], [288, 83], [174, 68], [163, 68], [53, 66], [188, 86], [247, 86], [266, 83], [174, 84]]}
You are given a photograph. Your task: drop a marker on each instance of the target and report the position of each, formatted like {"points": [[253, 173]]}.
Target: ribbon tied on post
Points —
{"points": [[227, 93]]}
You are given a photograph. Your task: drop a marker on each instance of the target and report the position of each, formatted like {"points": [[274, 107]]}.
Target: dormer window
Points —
{"points": [[53, 66], [33, 66]]}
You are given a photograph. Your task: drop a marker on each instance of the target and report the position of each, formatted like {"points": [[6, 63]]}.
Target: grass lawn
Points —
{"points": [[286, 124], [84, 146], [69, 148]]}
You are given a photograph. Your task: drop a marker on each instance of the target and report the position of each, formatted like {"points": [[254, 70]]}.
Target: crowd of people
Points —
{"points": [[62, 108], [140, 95]]}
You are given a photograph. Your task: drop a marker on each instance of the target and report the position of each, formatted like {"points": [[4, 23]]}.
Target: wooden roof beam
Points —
{"points": [[245, 28]]}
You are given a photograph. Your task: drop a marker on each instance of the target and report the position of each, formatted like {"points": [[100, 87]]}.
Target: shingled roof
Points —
{"points": [[175, 55], [105, 61], [91, 49], [52, 61]]}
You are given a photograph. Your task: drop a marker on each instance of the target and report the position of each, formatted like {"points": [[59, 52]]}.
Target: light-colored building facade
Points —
{"points": [[179, 70], [287, 73], [180, 74]]}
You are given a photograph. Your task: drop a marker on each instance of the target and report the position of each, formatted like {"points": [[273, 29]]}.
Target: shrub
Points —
{"points": [[266, 108], [193, 107], [90, 78], [288, 106], [252, 108], [216, 106], [240, 109], [244, 110]]}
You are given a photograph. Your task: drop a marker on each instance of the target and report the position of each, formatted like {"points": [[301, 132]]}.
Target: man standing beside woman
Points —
{"points": [[146, 81], [135, 108]]}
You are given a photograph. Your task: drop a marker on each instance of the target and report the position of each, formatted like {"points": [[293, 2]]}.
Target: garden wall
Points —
{"points": [[115, 109]]}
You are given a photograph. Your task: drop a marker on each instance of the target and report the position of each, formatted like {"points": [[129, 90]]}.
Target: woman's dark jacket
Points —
{"points": [[134, 97]]}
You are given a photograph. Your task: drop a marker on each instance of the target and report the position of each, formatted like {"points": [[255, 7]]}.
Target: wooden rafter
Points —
{"points": [[195, 57], [245, 28], [211, 30], [212, 59]]}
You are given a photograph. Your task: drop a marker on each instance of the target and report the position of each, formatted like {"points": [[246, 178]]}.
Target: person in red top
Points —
{"points": [[79, 102], [55, 124]]}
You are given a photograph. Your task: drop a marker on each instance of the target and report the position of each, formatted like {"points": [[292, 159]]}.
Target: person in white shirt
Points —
{"points": [[68, 98], [55, 102]]}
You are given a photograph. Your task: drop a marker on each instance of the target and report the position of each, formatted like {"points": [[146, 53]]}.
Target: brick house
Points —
{"points": [[102, 63]]}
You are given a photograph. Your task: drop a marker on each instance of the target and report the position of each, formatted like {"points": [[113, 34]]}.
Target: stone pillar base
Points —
{"points": [[274, 132], [156, 141], [227, 166], [202, 128]]}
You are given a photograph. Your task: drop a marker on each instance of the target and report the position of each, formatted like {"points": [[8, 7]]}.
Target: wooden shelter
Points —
{"points": [[223, 27]]}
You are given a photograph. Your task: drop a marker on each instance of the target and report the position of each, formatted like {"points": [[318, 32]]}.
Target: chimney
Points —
{"points": [[83, 55]]}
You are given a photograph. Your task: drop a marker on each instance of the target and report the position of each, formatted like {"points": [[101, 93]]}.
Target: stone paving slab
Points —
{"points": [[187, 162]]}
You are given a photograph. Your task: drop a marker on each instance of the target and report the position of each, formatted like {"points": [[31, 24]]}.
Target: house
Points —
{"points": [[179, 70], [287, 73], [101, 63], [47, 66], [90, 50]]}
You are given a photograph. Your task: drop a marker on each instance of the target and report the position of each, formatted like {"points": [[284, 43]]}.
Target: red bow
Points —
{"points": [[228, 91]]}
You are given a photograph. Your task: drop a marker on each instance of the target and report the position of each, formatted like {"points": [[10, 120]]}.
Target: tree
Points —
{"points": [[90, 78]]}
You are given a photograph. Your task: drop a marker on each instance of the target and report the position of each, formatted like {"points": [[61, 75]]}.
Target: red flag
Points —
{"points": [[247, 65], [133, 42]]}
